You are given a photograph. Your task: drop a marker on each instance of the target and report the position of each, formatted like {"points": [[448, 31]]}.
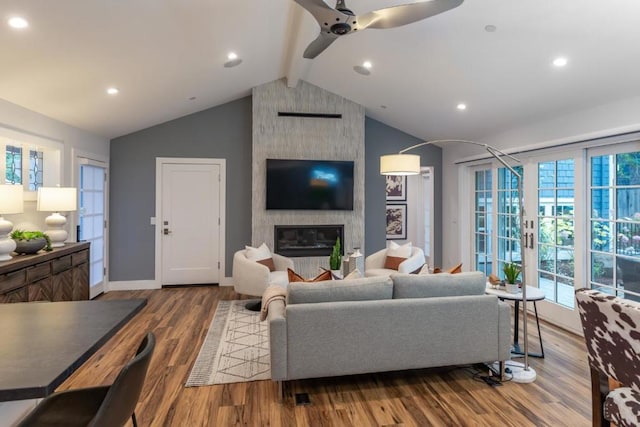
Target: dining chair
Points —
{"points": [[102, 406], [610, 326]]}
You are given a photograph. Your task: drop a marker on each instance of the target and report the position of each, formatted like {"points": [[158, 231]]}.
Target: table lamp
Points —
{"points": [[11, 202], [56, 199]]}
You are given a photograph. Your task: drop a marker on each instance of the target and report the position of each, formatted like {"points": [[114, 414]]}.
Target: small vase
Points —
{"points": [[512, 288]]}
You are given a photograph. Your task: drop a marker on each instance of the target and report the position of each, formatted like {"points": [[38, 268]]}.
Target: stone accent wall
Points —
{"points": [[309, 139]]}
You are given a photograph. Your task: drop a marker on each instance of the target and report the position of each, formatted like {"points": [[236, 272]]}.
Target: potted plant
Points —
{"points": [[511, 272], [335, 259], [30, 242]]}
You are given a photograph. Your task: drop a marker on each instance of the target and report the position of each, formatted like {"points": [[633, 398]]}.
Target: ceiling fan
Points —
{"points": [[342, 21]]}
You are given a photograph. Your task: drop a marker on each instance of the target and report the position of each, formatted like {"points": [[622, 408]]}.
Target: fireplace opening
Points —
{"points": [[307, 240]]}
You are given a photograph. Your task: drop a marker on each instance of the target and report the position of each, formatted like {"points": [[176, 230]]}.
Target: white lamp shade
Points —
{"points": [[56, 199], [400, 164], [11, 199]]}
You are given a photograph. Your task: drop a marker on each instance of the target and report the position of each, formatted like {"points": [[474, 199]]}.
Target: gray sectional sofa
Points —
{"points": [[382, 324]]}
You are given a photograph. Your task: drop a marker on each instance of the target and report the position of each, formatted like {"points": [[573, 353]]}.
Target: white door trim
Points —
{"points": [[160, 161]]}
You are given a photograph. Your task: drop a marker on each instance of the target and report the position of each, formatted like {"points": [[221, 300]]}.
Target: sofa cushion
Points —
{"points": [[295, 277], [369, 288], [438, 285]]}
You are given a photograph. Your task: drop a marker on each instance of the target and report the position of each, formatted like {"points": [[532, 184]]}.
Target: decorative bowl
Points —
{"points": [[29, 247]]}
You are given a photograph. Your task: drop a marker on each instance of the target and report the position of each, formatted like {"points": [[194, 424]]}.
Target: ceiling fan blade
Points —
{"points": [[322, 42], [405, 14], [321, 11]]}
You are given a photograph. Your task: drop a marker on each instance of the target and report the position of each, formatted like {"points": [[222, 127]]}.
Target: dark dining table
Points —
{"points": [[42, 344]]}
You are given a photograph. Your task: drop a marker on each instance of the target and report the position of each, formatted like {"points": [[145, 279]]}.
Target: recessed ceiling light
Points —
{"points": [[112, 91], [233, 60], [461, 106], [560, 62], [367, 65], [193, 98], [18, 22], [490, 28]]}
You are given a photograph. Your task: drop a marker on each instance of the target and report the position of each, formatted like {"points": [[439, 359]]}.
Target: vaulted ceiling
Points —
{"points": [[166, 58]]}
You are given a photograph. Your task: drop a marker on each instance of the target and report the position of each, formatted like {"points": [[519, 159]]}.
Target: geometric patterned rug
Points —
{"points": [[236, 348]]}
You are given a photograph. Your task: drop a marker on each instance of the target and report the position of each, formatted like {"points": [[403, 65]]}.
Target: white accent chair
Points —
{"points": [[374, 263], [251, 278]]}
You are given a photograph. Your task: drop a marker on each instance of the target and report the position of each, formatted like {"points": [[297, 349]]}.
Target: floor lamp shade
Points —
{"points": [[56, 200], [400, 164], [11, 202]]}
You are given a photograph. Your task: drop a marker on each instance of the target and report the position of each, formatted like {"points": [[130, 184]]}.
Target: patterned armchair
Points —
{"points": [[612, 333]]}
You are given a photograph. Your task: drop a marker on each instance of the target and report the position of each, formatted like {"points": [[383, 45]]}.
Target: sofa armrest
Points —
{"points": [[281, 262], [413, 263], [249, 277], [278, 340], [504, 330], [375, 260]]}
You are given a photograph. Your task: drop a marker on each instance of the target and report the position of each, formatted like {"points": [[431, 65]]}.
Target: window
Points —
{"points": [[556, 230], [483, 220], [30, 161], [508, 222], [615, 224]]}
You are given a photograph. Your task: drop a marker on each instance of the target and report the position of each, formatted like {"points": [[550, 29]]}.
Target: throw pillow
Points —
{"points": [[355, 274], [424, 269], [453, 270], [261, 255], [396, 254], [295, 277]]}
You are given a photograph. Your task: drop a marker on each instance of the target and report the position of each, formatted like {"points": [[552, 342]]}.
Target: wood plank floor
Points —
{"points": [[432, 397]]}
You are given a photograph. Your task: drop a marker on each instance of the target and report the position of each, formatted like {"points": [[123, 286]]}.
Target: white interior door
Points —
{"points": [[190, 221], [92, 220]]}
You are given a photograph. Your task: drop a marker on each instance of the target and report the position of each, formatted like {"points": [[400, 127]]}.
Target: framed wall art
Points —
{"points": [[397, 222], [396, 188]]}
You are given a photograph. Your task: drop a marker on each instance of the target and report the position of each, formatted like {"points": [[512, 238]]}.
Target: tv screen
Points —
{"points": [[309, 184]]}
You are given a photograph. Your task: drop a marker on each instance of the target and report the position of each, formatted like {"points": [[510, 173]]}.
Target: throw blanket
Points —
{"points": [[272, 293]]}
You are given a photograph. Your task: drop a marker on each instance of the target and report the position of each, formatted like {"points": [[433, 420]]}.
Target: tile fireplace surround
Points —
{"points": [[307, 240]]}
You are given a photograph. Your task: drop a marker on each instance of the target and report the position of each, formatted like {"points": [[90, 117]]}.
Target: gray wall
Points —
{"points": [[219, 132], [226, 132], [382, 139]]}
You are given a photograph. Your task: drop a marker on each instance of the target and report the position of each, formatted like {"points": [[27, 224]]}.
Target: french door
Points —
{"points": [[92, 220], [554, 227]]}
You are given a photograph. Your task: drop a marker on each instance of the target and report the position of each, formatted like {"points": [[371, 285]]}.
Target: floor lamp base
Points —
{"points": [[519, 374], [515, 372]]}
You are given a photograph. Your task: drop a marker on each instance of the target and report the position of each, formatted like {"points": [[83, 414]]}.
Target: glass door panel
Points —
{"points": [[92, 221]]}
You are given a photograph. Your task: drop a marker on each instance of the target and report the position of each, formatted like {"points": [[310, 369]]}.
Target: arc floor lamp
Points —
{"points": [[409, 164]]}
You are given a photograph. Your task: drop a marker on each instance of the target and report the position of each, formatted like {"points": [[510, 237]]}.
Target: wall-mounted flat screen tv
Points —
{"points": [[309, 184]]}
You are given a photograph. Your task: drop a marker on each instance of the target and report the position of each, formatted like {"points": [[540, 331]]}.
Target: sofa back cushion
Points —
{"points": [[369, 288], [438, 285]]}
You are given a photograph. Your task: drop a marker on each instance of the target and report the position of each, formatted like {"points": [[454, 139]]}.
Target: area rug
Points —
{"points": [[236, 348]]}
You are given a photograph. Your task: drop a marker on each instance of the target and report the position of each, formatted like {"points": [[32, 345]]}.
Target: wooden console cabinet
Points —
{"points": [[59, 275]]}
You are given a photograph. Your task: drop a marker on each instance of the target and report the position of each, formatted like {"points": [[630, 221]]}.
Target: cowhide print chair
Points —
{"points": [[612, 333]]}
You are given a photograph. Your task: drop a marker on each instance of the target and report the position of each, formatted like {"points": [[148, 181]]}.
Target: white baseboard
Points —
{"points": [[226, 281], [133, 285]]}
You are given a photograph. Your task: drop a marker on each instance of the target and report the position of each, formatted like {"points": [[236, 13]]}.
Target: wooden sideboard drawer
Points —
{"points": [[38, 271], [12, 280], [61, 264], [80, 257]]}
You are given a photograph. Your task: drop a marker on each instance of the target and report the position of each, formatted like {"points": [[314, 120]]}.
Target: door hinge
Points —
{"points": [[104, 271], [218, 265], [219, 179], [105, 223], [218, 220]]}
